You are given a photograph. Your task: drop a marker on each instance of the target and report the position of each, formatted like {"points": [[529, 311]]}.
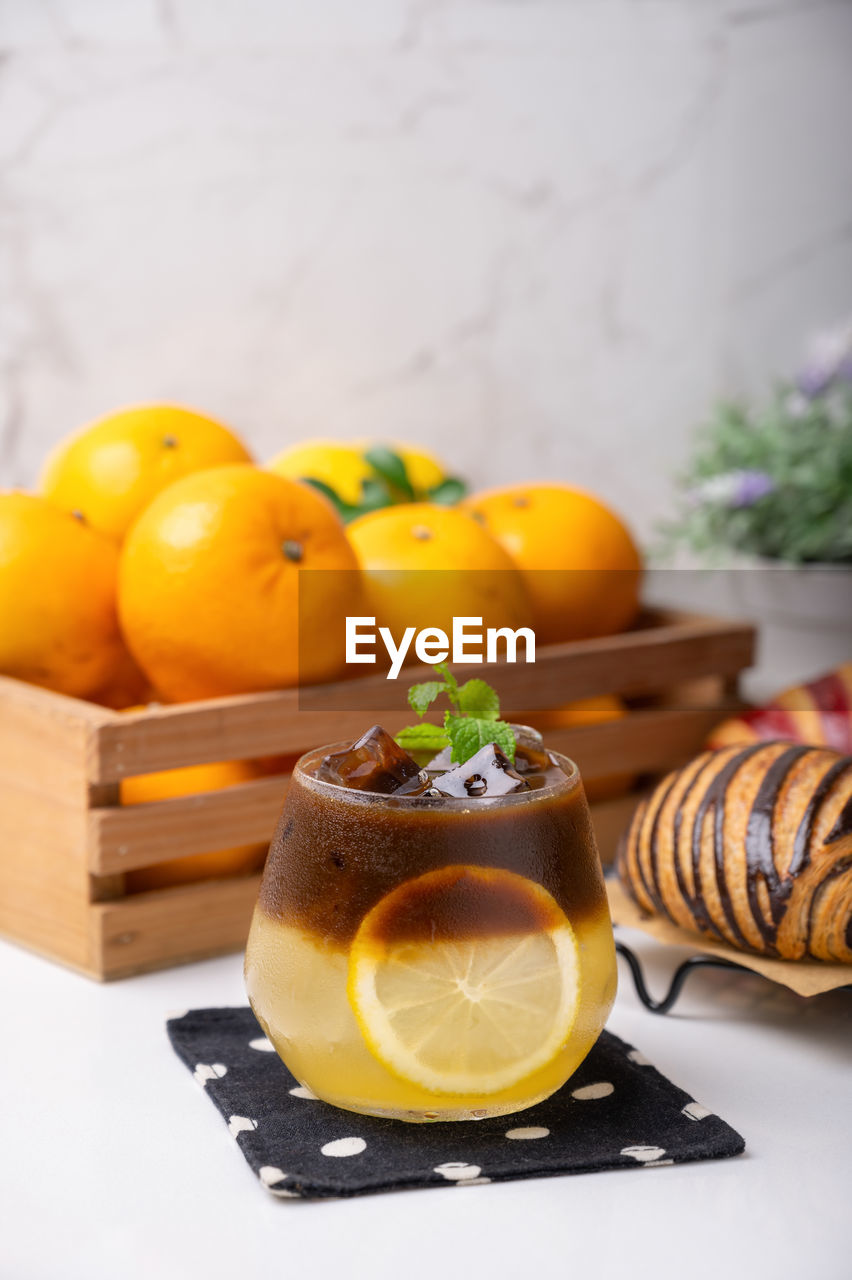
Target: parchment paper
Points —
{"points": [[805, 977]]}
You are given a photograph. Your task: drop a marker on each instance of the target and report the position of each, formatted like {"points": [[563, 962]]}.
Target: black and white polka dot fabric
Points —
{"points": [[616, 1111]]}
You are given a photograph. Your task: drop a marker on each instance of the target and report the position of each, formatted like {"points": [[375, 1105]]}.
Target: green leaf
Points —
{"points": [[504, 736], [448, 492], [452, 689], [344, 509], [421, 696], [477, 698], [422, 737], [374, 496], [390, 466], [468, 733]]}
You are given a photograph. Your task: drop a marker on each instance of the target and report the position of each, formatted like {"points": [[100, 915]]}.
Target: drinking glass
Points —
{"points": [[426, 958]]}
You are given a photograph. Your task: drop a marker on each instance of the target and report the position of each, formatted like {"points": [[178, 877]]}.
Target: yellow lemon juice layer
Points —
{"points": [[380, 1029]]}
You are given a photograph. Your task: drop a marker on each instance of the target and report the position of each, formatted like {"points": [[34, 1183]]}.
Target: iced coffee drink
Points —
{"points": [[432, 943]]}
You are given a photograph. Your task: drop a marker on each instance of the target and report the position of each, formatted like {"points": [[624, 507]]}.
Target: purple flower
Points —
{"points": [[829, 361], [813, 380], [732, 489], [752, 486]]}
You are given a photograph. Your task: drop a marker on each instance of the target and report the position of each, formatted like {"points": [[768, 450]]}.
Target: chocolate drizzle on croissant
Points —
{"points": [[751, 846]]}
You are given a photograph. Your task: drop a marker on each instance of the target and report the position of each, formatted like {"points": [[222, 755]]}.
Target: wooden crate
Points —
{"points": [[66, 840]]}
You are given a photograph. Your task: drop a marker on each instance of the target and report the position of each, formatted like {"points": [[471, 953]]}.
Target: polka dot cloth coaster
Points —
{"points": [[615, 1112]]}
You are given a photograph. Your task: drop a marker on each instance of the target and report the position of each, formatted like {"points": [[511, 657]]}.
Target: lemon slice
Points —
{"points": [[465, 980]]}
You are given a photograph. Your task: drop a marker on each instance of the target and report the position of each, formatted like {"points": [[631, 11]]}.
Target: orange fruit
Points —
{"points": [[580, 564], [126, 687], [425, 564], [571, 715], [57, 599], [272, 766], [184, 782], [109, 471], [209, 577], [585, 711]]}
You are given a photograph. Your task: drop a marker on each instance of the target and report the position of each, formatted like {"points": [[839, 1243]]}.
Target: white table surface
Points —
{"points": [[114, 1164]]}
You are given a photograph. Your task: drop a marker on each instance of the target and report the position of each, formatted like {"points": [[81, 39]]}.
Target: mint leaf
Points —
{"points": [[477, 698], [452, 685], [421, 696], [468, 733], [502, 734], [422, 737]]}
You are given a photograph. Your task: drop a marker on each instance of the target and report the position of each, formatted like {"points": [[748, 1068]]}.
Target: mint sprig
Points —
{"points": [[473, 698], [468, 733], [473, 721]]}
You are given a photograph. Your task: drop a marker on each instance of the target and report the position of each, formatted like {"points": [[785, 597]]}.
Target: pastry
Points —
{"points": [[818, 712], [751, 846]]}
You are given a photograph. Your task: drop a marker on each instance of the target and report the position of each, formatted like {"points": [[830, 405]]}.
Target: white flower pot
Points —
{"points": [[803, 613]]}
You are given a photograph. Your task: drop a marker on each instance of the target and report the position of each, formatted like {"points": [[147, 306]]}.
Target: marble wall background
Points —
{"points": [[542, 235]]}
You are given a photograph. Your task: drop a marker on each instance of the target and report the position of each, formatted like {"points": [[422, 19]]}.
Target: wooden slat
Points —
{"points": [[43, 878], [123, 838], [263, 724], [105, 888], [636, 662], [172, 926], [52, 705], [45, 739]]}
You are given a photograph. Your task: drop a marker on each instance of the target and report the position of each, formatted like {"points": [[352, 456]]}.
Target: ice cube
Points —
{"points": [[440, 762], [488, 773], [415, 786], [374, 763], [530, 753]]}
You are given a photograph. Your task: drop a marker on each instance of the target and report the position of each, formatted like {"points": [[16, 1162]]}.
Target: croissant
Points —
{"points": [[750, 846]]}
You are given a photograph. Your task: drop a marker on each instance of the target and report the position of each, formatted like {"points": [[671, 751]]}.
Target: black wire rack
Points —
{"points": [[679, 977]]}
